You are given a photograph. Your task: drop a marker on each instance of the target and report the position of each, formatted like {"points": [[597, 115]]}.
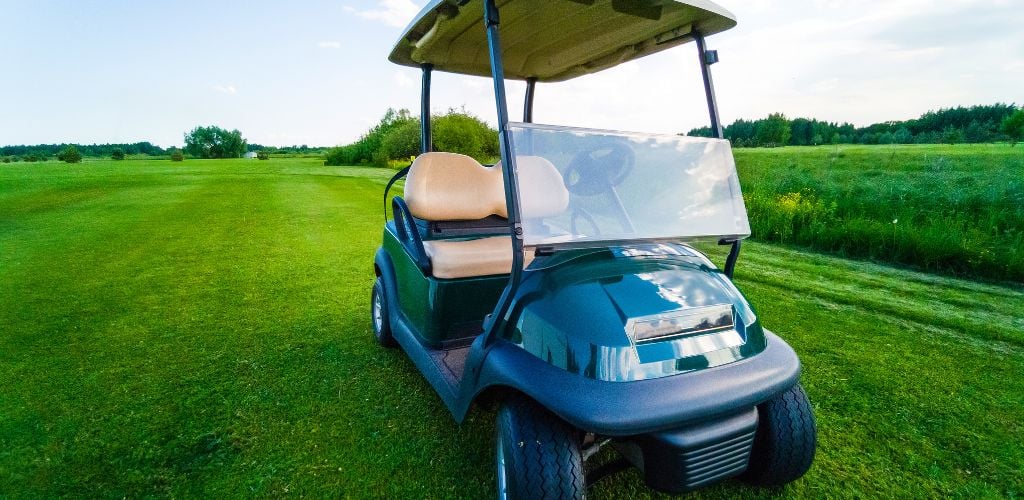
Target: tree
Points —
{"points": [[214, 142], [262, 155], [1013, 127], [69, 154], [773, 131], [117, 154], [903, 136], [176, 155], [952, 135]]}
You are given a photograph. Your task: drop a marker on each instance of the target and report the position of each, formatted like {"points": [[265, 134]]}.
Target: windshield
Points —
{"points": [[581, 187]]}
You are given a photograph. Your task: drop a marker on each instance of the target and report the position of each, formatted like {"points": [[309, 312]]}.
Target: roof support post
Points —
{"points": [[508, 161], [531, 87], [495, 322], [426, 140], [707, 58]]}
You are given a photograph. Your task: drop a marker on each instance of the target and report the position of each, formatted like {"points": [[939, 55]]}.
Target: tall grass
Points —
{"points": [[950, 209]]}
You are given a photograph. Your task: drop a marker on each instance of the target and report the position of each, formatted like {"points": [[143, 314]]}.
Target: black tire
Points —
{"points": [[379, 315], [785, 441], [537, 455]]}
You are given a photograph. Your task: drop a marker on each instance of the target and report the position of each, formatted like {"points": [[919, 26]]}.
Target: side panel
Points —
{"points": [[440, 311]]}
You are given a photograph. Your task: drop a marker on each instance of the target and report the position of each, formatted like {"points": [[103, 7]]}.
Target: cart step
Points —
{"points": [[451, 363]]}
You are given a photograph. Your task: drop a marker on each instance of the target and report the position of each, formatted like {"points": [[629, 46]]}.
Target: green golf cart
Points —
{"points": [[560, 283]]}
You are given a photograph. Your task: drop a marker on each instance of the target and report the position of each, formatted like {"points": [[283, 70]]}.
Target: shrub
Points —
{"points": [[368, 148], [176, 155], [69, 154], [262, 155], [461, 132], [7, 159], [117, 154], [402, 142]]}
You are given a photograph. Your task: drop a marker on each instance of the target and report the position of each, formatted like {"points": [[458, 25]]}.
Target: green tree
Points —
{"points": [[214, 142], [117, 154], [1013, 127], [176, 155], [952, 135], [262, 155], [773, 131], [69, 154]]}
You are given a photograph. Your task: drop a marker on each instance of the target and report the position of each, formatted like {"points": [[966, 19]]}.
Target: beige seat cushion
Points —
{"points": [[453, 259]]}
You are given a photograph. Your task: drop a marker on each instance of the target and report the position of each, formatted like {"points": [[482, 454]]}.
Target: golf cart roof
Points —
{"points": [[553, 40]]}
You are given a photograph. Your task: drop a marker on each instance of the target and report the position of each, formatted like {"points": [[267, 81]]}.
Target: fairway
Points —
{"points": [[201, 329]]}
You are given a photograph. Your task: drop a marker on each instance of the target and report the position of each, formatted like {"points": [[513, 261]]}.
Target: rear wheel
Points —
{"points": [[537, 454], [785, 441], [379, 315]]}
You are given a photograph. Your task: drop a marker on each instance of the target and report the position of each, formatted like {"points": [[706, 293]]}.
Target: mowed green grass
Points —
{"points": [[202, 329]]}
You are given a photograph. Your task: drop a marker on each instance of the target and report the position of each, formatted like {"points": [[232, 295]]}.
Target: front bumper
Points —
{"points": [[621, 409], [692, 457]]}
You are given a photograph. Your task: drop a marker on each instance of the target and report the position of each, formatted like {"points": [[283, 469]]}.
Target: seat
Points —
{"points": [[454, 259], [454, 187]]}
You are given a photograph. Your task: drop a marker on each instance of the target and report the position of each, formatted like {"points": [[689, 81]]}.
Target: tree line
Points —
{"points": [[397, 137], [43, 152], [975, 124]]}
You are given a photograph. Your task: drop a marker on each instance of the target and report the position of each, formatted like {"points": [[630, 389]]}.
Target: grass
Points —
{"points": [[952, 209], [201, 329]]}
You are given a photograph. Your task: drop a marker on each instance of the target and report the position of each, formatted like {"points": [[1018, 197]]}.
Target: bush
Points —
{"points": [[368, 148], [176, 155], [461, 132], [70, 154], [397, 137], [7, 159], [262, 155], [401, 142], [117, 154]]}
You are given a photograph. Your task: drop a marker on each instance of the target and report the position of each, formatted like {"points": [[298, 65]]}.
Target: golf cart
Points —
{"points": [[560, 283]]}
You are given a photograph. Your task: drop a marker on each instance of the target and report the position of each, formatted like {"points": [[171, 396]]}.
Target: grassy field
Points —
{"points": [[202, 329], [954, 209]]}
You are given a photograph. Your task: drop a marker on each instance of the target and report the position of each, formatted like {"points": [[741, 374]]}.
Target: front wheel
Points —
{"points": [[379, 315], [785, 441], [537, 454]]}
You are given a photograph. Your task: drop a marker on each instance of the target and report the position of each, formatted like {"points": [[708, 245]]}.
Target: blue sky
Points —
{"points": [[316, 72]]}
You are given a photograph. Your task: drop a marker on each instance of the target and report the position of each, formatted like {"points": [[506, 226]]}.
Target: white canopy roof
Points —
{"points": [[554, 40]]}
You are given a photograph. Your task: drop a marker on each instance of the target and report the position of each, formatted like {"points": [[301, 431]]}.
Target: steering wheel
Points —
{"points": [[599, 169]]}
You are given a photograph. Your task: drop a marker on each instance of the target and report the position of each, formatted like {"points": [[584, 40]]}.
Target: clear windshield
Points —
{"points": [[581, 187]]}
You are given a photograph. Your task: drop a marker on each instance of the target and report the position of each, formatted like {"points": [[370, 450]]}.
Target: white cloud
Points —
{"points": [[397, 13], [329, 44], [226, 89]]}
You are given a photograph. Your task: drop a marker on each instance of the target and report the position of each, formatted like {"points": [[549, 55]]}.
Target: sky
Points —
{"points": [[316, 71]]}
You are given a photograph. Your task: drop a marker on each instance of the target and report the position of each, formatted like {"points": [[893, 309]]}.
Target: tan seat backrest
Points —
{"points": [[449, 186], [542, 191]]}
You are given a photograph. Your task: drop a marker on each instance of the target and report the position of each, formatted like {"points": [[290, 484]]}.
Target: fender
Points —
{"points": [[639, 407]]}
